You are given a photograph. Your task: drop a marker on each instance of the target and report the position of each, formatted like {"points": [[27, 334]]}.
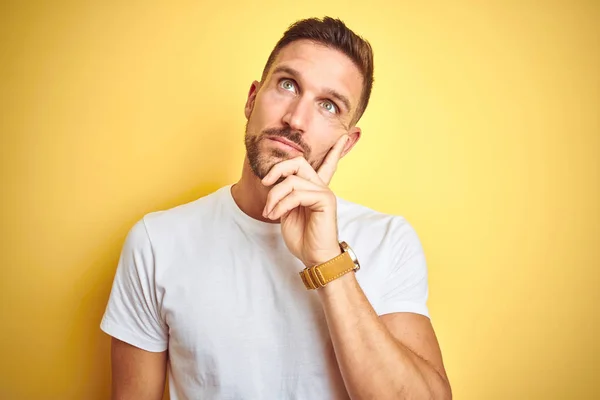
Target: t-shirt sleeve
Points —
{"points": [[406, 288], [132, 314]]}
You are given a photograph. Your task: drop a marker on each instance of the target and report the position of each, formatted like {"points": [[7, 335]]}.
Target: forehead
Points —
{"points": [[322, 68]]}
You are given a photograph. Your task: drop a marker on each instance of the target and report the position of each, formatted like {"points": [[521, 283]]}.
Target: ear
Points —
{"points": [[251, 98], [354, 134]]}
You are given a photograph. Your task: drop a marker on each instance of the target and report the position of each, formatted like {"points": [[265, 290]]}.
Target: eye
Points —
{"points": [[329, 106], [288, 84]]}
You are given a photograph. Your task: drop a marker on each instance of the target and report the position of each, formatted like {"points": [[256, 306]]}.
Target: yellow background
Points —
{"points": [[483, 130]]}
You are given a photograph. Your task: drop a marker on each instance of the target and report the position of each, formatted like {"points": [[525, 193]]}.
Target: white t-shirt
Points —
{"points": [[221, 292]]}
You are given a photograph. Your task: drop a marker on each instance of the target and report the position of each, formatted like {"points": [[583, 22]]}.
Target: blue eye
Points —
{"points": [[329, 106], [288, 85]]}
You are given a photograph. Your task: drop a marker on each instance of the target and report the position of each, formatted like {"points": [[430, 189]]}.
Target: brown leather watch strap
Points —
{"points": [[320, 275]]}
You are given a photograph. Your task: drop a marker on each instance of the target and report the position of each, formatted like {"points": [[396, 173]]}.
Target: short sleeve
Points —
{"points": [[132, 314], [406, 288]]}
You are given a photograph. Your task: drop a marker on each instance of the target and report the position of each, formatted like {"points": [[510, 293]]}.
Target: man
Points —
{"points": [[274, 288]]}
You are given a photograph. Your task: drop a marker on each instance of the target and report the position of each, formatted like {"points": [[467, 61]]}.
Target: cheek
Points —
{"points": [[336, 125], [320, 148], [269, 107], [326, 132]]}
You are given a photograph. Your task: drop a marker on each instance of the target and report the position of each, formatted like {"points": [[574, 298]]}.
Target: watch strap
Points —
{"points": [[320, 275]]}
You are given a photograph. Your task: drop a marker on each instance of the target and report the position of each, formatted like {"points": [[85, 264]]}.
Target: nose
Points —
{"points": [[298, 115]]}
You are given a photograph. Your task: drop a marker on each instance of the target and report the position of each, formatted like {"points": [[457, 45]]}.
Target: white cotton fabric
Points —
{"points": [[221, 292]]}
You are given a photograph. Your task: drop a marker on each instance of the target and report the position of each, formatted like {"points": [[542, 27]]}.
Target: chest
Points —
{"points": [[236, 322]]}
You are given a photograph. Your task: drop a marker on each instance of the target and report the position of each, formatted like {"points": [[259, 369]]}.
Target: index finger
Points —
{"points": [[329, 166]]}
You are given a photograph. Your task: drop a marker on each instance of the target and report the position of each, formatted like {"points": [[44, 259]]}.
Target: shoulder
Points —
{"points": [[163, 226], [354, 214], [382, 230], [183, 215]]}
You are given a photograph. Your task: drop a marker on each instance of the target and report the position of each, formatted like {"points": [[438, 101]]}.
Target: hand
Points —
{"points": [[306, 206]]}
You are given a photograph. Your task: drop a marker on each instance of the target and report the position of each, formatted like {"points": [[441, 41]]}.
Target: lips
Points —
{"points": [[287, 143]]}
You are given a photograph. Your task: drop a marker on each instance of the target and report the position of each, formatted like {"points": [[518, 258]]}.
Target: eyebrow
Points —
{"points": [[331, 92]]}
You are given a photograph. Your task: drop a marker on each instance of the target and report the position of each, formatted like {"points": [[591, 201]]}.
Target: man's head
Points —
{"points": [[314, 88]]}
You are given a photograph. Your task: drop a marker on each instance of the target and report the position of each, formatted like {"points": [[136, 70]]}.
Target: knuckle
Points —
{"points": [[330, 196], [290, 182], [291, 179], [269, 197]]}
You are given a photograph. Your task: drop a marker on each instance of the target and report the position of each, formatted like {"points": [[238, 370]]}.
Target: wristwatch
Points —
{"points": [[320, 275]]}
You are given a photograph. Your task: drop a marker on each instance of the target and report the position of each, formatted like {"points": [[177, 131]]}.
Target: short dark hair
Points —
{"points": [[332, 33]]}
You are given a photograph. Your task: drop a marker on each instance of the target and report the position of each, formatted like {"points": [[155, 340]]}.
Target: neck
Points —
{"points": [[250, 194]]}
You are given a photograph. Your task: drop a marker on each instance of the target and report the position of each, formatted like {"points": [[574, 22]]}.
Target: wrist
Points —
{"points": [[324, 257], [338, 285], [318, 275]]}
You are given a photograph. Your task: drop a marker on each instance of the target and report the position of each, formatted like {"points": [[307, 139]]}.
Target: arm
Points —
{"points": [[395, 356], [137, 373], [140, 336], [388, 357]]}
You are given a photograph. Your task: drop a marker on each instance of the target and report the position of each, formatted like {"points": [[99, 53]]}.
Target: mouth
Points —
{"points": [[286, 143]]}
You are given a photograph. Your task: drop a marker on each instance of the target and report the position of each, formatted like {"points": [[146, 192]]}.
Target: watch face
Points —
{"points": [[351, 254]]}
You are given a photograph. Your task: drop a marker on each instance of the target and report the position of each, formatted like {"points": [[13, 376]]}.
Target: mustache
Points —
{"points": [[294, 137]]}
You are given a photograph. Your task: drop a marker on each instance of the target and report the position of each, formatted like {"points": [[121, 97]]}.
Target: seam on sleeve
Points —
{"points": [[159, 310], [403, 306], [109, 327]]}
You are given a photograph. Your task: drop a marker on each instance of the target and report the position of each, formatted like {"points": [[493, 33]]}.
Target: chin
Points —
{"points": [[262, 164], [262, 157]]}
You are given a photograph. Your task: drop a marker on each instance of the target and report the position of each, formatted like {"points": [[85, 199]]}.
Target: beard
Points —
{"points": [[262, 160]]}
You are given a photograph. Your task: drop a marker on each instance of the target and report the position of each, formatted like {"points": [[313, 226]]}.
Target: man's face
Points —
{"points": [[308, 100]]}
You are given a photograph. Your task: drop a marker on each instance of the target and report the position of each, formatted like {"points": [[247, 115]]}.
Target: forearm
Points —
{"points": [[372, 362]]}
